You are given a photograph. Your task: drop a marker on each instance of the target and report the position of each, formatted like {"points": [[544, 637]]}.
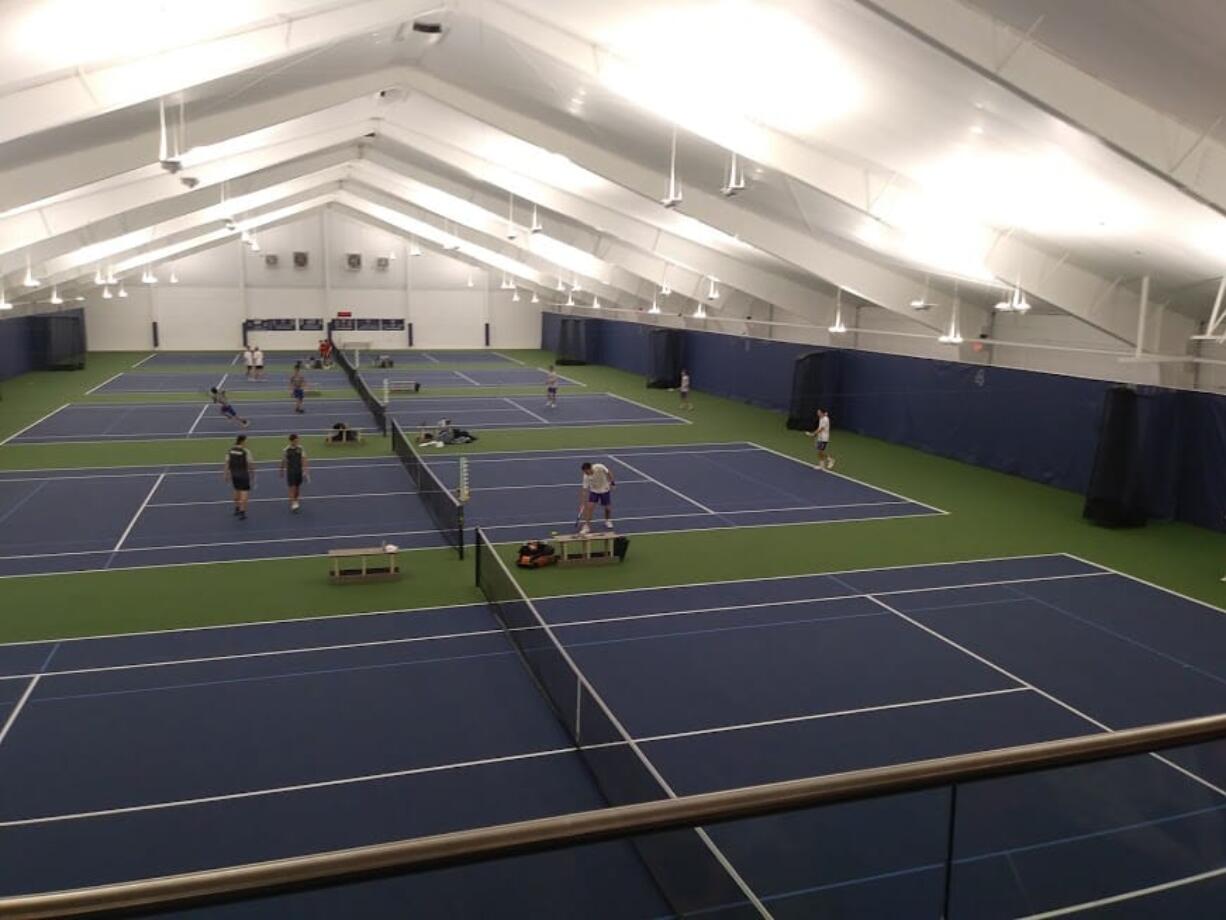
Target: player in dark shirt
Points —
{"points": [[239, 470], [294, 470]]}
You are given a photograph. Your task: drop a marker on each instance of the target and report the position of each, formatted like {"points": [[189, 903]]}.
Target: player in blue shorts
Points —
{"points": [[821, 440], [297, 387], [222, 402], [551, 388], [597, 489]]}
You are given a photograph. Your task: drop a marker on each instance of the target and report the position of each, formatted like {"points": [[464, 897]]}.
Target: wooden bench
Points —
{"points": [[586, 549], [374, 563]]}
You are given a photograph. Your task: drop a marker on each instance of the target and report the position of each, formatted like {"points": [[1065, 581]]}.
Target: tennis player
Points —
{"points": [[249, 360], [294, 471], [239, 471], [597, 489], [551, 388], [258, 357], [222, 402], [821, 439], [297, 387], [685, 390]]}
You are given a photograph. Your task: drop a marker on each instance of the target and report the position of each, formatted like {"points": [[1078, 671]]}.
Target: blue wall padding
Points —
{"points": [[1043, 427], [16, 347]]}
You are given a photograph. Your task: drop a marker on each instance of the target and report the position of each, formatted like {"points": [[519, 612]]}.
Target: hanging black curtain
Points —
{"points": [[664, 358], [815, 381], [59, 340], [573, 341], [1116, 494]]}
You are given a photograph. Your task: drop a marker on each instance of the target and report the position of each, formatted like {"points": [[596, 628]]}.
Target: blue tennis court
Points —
{"points": [[142, 381], [286, 359], [181, 514], [225, 745], [143, 421]]}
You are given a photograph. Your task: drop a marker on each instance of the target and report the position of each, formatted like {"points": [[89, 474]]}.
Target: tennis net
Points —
{"points": [[688, 868], [446, 510], [364, 391]]}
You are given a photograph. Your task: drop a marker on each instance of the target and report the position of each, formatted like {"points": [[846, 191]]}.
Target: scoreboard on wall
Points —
{"points": [[270, 325]]}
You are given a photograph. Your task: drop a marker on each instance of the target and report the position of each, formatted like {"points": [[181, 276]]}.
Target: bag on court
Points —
{"points": [[535, 555], [620, 546]]}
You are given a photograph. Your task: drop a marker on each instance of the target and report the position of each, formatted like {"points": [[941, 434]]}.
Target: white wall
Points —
{"points": [[222, 286]]}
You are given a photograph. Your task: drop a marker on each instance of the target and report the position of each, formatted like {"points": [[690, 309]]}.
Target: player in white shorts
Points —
{"points": [[821, 439], [597, 489], [551, 388]]}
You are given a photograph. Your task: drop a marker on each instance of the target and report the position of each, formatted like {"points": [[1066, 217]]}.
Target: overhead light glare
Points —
{"points": [[55, 296], [122, 291], [535, 299], [106, 293], [515, 297]]}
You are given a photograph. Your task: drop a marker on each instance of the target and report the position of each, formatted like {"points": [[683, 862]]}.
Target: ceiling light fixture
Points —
{"points": [[570, 299], [954, 335], [55, 296], [4, 301], [122, 292], [99, 279], [535, 299], [735, 181], [511, 232], [674, 196], [712, 288], [536, 222], [174, 277], [595, 302], [507, 283], [470, 280], [655, 307], [30, 281], [414, 249], [700, 312], [106, 293], [923, 303], [838, 328], [515, 296]]}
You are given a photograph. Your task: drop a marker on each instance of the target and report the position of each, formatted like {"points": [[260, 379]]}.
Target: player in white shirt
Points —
{"points": [[258, 357], [685, 390], [551, 388], [821, 438], [597, 489], [249, 360]]}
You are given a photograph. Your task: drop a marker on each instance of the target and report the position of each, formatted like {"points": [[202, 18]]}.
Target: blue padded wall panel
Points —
{"points": [[752, 370], [623, 345], [551, 323], [1202, 489], [16, 347]]}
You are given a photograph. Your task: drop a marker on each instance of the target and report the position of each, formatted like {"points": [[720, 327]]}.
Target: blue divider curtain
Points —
{"points": [[42, 341], [1043, 427], [815, 385], [664, 351]]}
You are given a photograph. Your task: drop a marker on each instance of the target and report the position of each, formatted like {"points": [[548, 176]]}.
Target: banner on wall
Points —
{"points": [[368, 325], [310, 325], [342, 325], [270, 325], [391, 325]]}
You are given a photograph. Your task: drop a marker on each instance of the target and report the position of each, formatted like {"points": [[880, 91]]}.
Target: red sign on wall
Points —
{"points": [[344, 313]]}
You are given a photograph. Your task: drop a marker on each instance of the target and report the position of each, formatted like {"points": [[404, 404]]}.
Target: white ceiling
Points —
{"points": [[876, 161]]}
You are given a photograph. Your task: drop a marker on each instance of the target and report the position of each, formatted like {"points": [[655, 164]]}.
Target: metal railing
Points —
{"points": [[461, 847]]}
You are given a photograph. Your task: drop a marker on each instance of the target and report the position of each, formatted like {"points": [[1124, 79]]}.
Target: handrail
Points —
{"points": [[403, 856]]}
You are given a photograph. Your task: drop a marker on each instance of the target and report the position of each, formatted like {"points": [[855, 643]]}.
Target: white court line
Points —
{"points": [[883, 568], [635, 402], [12, 719], [681, 495], [203, 409], [280, 790], [464, 376], [508, 358], [430, 357], [16, 434], [308, 497], [417, 610], [1048, 696], [1128, 895], [541, 485], [171, 469], [1171, 591], [144, 359], [867, 485], [92, 390], [508, 399], [578, 383], [132, 523], [234, 360]]}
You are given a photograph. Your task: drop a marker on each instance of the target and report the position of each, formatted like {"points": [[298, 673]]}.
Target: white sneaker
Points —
{"points": [[608, 524], [584, 530], [830, 463]]}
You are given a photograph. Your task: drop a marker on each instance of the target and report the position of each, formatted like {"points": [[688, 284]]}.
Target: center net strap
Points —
{"points": [[687, 866], [446, 510]]}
